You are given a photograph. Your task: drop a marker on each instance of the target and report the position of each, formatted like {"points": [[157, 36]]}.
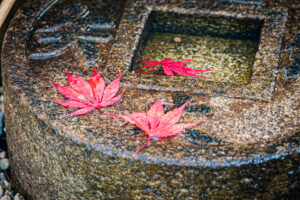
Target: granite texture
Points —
{"points": [[247, 148]]}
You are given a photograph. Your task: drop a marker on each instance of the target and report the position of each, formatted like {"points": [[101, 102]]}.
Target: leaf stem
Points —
{"points": [[111, 115], [142, 146], [148, 70]]}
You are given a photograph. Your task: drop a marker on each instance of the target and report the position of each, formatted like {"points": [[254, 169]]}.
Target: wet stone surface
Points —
{"points": [[293, 71], [247, 148], [182, 98]]}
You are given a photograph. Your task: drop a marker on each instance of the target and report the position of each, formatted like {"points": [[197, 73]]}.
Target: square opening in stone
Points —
{"points": [[225, 44]]}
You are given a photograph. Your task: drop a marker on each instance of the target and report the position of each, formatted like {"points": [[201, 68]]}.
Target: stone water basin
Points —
{"points": [[226, 45], [248, 146]]}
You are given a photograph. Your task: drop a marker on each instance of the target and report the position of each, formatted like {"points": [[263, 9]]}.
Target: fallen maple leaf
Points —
{"points": [[170, 67], [155, 123], [87, 96]]}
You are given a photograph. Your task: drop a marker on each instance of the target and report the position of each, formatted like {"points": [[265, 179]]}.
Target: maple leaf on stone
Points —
{"points": [[170, 67], [87, 96], [155, 123]]}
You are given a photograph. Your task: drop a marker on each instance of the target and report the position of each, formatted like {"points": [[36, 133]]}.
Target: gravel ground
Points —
{"points": [[6, 188]]}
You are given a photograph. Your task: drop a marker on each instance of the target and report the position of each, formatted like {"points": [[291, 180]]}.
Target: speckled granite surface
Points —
{"points": [[248, 147]]}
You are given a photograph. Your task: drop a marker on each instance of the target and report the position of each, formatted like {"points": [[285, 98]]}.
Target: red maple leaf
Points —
{"points": [[87, 96], [170, 67], [155, 123]]}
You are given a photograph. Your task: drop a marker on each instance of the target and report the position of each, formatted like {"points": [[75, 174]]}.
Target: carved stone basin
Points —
{"points": [[248, 146]]}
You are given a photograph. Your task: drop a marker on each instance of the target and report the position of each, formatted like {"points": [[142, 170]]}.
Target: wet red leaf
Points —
{"points": [[170, 67], [155, 123], [87, 96]]}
